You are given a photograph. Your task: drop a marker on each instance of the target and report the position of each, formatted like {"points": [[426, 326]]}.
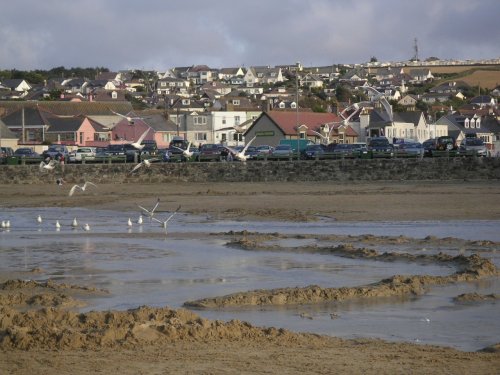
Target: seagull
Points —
{"points": [[86, 227], [7, 224], [3, 224], [145, 162], [241, 155], [187, 153], [137, 144], [129, 118], [82, 188], [58, 226], [139, 221], [74, 223], [39, 219], [165, 222], [47, 166], [151, 212], [129, 222]]}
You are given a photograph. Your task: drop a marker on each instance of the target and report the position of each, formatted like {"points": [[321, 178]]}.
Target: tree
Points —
{"points": [[373, 59]]}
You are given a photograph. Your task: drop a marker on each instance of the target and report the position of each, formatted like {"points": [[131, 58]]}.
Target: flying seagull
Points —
{"points": [[137, 144], [47, 166], [82, 188], [150, 213], [241, 155], [146, 163], [129, 118], [187, 153], [164, 223]]}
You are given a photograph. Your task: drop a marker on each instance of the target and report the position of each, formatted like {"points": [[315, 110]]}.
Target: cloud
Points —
{"points": [[158, 34]]}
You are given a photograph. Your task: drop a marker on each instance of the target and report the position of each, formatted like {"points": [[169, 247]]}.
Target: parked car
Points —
{"points": [[264, 150], [282, 151], [26, 152], [348, 151], [209, 152], [56, 150], [313, 152], [429, 146], [379, 147], [129, 151], [446, 143], [83, 153], [473, 147], [409, 149], [251, 152], [5, 152], [150, 148]]}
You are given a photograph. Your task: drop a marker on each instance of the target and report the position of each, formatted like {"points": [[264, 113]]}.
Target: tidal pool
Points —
{"points": [[142, 265]]}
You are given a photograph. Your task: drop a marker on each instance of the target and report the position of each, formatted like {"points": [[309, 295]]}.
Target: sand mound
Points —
{"points": [[30, 294], [476, 297], [470, 268], [58, 329]]}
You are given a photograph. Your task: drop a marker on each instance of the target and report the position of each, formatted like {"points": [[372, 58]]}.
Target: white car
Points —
{"points": [[85, 153]]}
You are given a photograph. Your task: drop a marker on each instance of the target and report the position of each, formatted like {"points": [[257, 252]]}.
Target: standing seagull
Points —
{"points": [[86, 227], [137, 144], [139, 221], [74, 223], [165, 222], [39, 219], [47, 166], [151, 212], [241, 155], [129, 222], [82, 188], [58, 226]]}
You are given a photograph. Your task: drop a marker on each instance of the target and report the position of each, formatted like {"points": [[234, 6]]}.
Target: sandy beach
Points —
{"points": [[42, 332]]}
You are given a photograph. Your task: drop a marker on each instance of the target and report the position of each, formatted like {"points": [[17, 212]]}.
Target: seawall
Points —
{"points": [[264, 171]]}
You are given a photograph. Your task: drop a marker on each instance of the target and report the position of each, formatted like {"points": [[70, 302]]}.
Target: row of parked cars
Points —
{"points": [[378, 147]]}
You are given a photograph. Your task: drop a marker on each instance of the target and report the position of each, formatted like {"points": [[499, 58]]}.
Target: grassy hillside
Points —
{"points": [[487, 76]]}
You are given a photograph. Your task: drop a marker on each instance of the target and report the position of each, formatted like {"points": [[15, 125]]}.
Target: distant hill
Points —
{"points": [[485, 76]]}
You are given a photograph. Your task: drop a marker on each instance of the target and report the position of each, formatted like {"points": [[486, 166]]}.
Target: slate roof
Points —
{"points": [[5, 132], [32, 116], [408, 117], [65, 124], [71, 108]]}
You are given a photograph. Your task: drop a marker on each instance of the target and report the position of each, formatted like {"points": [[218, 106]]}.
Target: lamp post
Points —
{"points": [[297, 109]]}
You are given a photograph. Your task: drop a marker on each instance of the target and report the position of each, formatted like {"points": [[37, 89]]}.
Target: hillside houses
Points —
{"points": [[206, 104]]}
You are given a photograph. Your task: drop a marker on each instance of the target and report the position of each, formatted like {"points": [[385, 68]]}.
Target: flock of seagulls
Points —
{"points": [[74, 224]]}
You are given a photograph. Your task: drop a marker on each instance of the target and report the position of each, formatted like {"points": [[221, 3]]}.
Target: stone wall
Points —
{"points": [[261, 171]]}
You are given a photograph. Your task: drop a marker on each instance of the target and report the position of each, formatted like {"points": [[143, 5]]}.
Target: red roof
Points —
{"points": [[288, 121]]}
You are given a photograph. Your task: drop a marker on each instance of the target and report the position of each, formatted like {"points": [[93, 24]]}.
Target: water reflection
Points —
{"points": [[154, 269]]}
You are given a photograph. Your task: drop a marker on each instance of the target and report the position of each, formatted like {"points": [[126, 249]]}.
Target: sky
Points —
{"points": [[161, 34]]}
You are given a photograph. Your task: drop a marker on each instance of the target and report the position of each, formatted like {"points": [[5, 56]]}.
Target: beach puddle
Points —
{"points": [[145, 265]]}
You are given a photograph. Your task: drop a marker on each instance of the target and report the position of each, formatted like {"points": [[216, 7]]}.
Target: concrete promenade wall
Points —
{"points": [[262, 171]]}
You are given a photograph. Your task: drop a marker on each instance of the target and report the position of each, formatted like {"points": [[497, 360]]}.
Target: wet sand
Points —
{"points": [[41, 331]]}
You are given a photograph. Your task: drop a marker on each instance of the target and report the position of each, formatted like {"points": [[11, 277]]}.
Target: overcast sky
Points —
{"points": [[160, 34]]}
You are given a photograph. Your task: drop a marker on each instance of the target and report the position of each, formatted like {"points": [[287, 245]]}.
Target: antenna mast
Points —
{"points": [[415, 48]]}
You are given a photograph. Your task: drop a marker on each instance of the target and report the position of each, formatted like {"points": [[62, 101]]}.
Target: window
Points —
{"points": [[114, 95], [223, 120], [302, 135], [236, 102], [200, 120], [237, 120], [200, 136], [163, 84]]}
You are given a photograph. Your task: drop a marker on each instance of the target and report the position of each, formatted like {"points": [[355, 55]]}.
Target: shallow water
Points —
{"points": [[161, 271]]}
